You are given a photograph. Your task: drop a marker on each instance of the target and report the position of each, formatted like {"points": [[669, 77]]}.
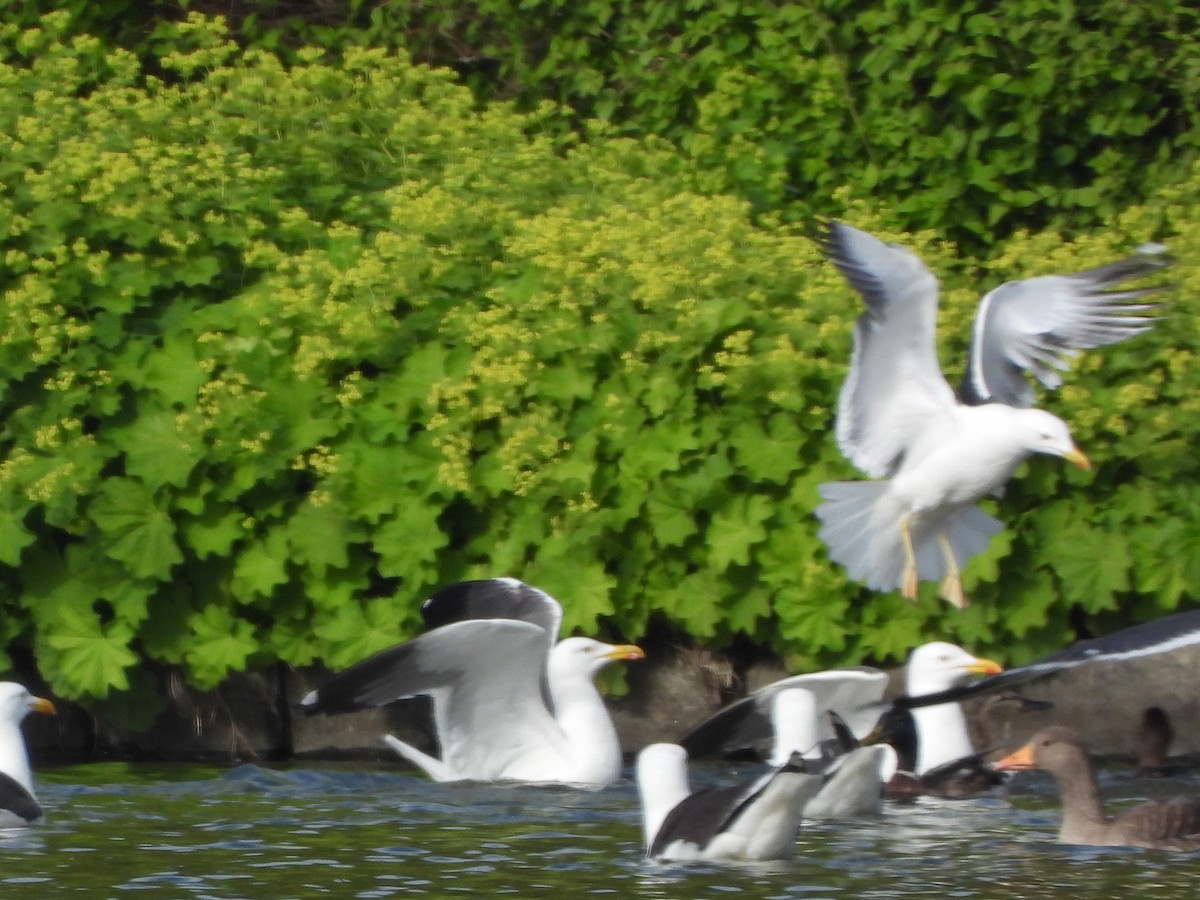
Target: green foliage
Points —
{"points": [[972, 119], [288, 346], [969, 118]]}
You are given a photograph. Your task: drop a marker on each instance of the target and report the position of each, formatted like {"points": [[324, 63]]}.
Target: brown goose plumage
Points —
{"points": [[1156, 824]]}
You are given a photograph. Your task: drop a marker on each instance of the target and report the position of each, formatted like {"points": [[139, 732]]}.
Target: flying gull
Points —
{"points": [[934, 453], [748, 822], [510, 701], [18, 804]]}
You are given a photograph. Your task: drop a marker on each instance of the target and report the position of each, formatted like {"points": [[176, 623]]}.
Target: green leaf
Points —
{"points": [[354, 632], [220, 642], [156, 453], [318, 535], [214, 532], [91, 659], [261, 566], [737, 528], [14, 537], [135, 529], [1092, 564], [408, 543]]}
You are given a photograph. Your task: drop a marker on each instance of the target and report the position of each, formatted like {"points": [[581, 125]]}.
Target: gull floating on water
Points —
{"points": [[942, 756], [747, 822], [936, 454], [854, 775], [18, 804], [510, 701], [854, 694]]}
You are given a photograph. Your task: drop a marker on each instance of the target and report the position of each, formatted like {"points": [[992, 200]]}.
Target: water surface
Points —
{"points": [[118, 831]]}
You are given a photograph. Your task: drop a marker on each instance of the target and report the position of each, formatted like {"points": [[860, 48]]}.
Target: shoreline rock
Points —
{"points": [[255, 716]]}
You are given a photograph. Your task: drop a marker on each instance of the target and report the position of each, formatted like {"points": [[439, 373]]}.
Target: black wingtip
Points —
{"points": [[797, 763]]}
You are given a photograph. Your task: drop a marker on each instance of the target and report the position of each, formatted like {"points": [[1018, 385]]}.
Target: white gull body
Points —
{"points": [[509, 702]]}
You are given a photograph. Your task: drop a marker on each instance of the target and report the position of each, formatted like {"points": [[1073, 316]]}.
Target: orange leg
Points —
{"points": [[908, 586], [952, 590]]}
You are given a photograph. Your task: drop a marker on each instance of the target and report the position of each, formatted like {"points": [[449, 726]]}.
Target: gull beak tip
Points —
{"points": [[1079, 458]]}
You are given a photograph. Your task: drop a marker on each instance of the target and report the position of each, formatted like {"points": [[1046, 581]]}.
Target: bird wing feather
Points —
{"points": [[1035, 326], [894, 388]]}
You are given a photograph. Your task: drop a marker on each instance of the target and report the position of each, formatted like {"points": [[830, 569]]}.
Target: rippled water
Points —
{"points": [[251, 832]]}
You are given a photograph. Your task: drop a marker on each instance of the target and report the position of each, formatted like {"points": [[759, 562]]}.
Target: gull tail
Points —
{"points": [[860, 525]]}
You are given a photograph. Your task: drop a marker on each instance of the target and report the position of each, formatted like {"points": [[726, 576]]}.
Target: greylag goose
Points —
{"points": [[1156, 824]]}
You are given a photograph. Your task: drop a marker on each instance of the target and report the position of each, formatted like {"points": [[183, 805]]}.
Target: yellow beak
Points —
{"points": [[983, 666], [1077, 457], [42, 705], [625, 651]]}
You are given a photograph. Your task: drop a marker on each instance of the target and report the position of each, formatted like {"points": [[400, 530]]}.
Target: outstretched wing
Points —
{"points": [[853, 693], [493, 598], [1147, 639], [894, 387], [1038, 324], [485, 678]]}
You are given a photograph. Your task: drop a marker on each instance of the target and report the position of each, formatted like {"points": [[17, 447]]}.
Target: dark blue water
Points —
{"points": [[116, 831]]}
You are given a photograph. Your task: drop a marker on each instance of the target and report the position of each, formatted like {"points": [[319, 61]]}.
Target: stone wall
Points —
{"points": [[255, 716]]}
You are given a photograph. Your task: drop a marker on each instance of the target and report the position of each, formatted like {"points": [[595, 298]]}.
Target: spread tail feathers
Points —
{"points": [[860, 525]]}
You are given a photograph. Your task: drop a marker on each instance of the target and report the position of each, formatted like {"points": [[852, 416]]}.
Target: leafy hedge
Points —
{"points": [[972, 119], [287, 347], [967, 118]]}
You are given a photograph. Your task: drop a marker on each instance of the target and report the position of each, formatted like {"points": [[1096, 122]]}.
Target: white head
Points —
{"points": [[662, 778], [1043, 432], [575, 656], [15, 704], [939, 665], [794, 723]]}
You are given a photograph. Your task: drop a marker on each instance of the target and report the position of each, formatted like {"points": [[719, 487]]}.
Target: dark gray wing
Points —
{"points": [[1035, 326], [701, 816], [493, 598], [18, 801]]}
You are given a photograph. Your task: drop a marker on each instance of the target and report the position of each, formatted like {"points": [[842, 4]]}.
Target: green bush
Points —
{"points": [[972, 119], [287, 347]]}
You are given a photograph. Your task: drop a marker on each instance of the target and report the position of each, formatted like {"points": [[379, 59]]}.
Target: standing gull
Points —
{"points": [[747, 822], [510, 701], [18, 805], [935, 454]]}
